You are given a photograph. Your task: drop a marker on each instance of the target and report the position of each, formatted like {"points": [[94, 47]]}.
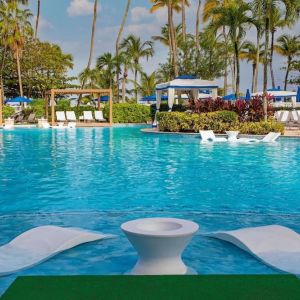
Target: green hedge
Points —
{"points": [[129, 113], [219, 122], [8, 111], [165, 107]]}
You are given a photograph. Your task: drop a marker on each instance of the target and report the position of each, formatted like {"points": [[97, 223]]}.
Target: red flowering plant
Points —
{"points": [[248, 111]]}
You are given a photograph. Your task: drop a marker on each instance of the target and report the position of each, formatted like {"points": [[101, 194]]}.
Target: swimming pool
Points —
{"points": [[100, 178]]}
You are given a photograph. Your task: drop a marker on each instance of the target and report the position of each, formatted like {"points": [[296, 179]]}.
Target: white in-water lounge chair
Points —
{"points": [[39, 244], [276, 246], [71, 117], [88, 116], [99, 116], [271, 137], [209, 136]]}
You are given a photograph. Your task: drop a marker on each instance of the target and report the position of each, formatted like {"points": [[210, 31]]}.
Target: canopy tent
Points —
{"points": [[280, 95], [298, 95], [182, 85], [18, 100], [152, 98]]}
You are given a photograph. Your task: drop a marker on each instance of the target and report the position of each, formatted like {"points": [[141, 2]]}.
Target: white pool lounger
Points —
{"points": [[271, 137], [276, 246], [209, 136], [39, 244]]}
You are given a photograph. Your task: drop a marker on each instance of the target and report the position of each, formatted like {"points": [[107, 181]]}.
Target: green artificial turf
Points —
{"points": [[283, 287]]}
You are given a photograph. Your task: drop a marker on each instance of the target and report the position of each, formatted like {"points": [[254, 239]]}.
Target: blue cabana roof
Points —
{"points": [[186, 77], [18, 100]]}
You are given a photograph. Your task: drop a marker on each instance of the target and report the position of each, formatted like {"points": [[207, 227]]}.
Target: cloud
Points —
{"points": [[43, 23], [80, 8], [139, 13]]}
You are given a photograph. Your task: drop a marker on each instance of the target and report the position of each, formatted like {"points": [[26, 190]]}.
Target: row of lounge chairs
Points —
{"points": [[288, 117], [88, 116]]}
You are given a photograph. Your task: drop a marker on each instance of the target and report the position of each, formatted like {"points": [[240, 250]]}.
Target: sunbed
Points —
{"points": [[88, 116], [209, 136], [99, 116]]}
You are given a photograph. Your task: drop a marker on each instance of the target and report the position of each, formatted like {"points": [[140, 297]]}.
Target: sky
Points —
{"points": [[68, 23]]}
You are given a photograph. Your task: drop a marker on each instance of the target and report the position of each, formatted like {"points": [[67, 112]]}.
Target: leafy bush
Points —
{"points": [[261, 127], [8, 111], [129, 113], [250, 111], [219, 122], [165, 107]]}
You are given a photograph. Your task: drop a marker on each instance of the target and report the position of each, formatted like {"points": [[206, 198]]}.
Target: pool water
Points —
{"points": [[99, 178]]}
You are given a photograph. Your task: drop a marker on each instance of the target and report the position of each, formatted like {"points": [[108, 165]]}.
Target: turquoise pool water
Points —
{"points": [[99, 178]]}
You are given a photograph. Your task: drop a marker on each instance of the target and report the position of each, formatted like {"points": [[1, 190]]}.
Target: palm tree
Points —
{"points": [[92, 42], [235, 19], [107, 62], [171, 6], [137, 49], [17, 28], [37, 19], [289, 47], [184, 3], [248, 52], [120, 35], [164, 38], [197, 32], [147, 85]]}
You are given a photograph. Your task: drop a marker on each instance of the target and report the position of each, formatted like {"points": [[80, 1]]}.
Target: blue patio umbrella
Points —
{"points": [[248, 95], [153, 98], [19, 100], [298, 94], [232, 97]]}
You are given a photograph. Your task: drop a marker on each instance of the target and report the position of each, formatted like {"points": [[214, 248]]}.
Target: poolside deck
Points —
{"points": [[92, 124], [214, 287]]}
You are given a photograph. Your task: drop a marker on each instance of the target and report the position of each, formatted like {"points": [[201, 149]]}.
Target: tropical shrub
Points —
{"points": [[219, 122], [8, 111], [251, 111], [129, 113], [165, 107]]}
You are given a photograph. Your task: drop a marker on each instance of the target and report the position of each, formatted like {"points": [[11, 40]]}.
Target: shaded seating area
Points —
{"points": [[88, 119]]}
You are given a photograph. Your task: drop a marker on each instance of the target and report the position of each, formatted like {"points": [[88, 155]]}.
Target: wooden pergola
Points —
{"points": [[98, 92]]}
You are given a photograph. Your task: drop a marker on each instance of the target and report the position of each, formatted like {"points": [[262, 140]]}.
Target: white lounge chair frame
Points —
{"points": [[88, 116], [99, 116], [71, 117], [209, 136], [60, 116]]}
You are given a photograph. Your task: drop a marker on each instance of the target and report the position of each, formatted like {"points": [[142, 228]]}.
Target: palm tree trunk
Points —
{"points": [[226, 62], [197, 40], [92, 43], [183, 20], [266, 50], [253, 76], [2, 69], [237, 62], [37, 19], [135, 85], [124, 84], [287, 73], [118, 41], [254, 89], [271, 59], [19, 73], [172, 35], [232, 67]]}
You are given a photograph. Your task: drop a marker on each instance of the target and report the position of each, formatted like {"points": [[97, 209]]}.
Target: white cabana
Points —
{"points": [[287, 98], [182, 86]]}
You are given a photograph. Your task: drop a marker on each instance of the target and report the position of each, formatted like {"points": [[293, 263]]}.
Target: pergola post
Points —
{"points": [[46, 106], [110, 108], [1, 108], [52, 108]]}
